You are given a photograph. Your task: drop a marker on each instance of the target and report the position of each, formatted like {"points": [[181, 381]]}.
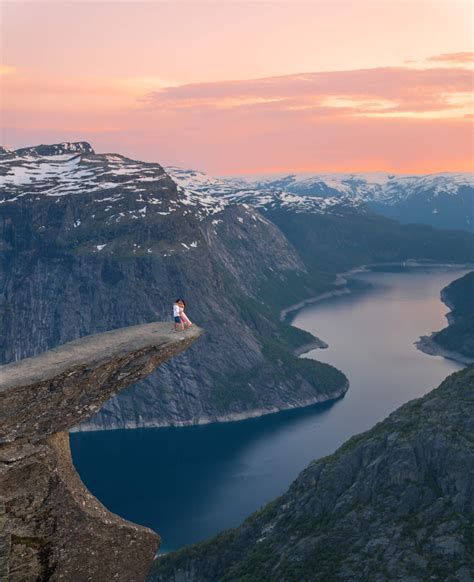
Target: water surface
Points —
{"points": [[190, 483]]}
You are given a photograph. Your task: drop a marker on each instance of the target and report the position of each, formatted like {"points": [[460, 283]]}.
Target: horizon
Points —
{"points": [[234, 100], [247, 174]]}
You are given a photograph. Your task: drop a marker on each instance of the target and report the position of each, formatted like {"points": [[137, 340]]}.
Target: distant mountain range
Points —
{"points": [[443, 200], [91, 242]]}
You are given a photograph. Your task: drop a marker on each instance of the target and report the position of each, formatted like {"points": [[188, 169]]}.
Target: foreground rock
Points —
{"points": [[51, 527], [394, 503]]}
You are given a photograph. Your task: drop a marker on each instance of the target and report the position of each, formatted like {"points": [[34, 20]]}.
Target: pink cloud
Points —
{"points": [[398, 88], [462, 57]]}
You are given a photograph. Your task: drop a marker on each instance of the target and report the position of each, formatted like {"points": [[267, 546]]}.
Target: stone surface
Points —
{"points": [[56, 390], [394, 503], [51, 527]]}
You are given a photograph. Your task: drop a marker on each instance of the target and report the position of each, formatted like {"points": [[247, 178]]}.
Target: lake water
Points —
{"points": [[190, 483]]}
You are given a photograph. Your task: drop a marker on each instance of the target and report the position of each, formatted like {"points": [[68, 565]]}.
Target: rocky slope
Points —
{"points": [[95, 242], [457, 340], [394, 503], [52, 528]]}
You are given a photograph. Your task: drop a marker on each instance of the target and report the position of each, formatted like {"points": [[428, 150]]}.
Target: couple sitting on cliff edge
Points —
{"points": [[181, 320]]}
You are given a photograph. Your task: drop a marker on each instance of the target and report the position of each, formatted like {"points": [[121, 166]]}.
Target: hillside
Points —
{"points": [[394, 503], [458, 337]]}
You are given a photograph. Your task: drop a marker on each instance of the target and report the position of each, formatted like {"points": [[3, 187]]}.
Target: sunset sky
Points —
{"points": [[233, 87]]}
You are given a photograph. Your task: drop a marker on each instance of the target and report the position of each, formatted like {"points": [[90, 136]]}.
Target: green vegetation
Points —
{"points": [[278, 342], [334, 243]]}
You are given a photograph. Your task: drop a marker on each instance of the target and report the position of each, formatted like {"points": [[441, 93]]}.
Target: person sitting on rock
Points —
{"points": [[186, 322], [178, 322]]}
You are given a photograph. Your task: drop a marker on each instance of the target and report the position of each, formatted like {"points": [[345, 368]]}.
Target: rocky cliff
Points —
{"points": [[51, 527], [394, 503], [94, 242]]}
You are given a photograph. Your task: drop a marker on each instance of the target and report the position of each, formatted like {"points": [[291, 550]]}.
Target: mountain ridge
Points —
{"points": [[445, 199]]}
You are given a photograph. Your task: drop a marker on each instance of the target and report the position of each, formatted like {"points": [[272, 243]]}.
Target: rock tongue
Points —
{"points": [[67, 147]]}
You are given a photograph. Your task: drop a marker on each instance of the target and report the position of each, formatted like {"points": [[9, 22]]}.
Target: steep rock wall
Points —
{"points": [[51, 527]]}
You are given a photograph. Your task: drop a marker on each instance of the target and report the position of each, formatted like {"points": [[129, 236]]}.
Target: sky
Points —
{"points": [[240, 87]]}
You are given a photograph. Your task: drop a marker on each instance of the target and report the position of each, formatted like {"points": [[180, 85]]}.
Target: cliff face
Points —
{"points": [[52, 528], [394, 503], [96, 242]]}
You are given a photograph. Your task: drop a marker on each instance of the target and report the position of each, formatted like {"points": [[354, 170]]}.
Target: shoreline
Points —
{"points": [[340, 289], [235, 417], [316, 344], [340, 283], [428, 345]]}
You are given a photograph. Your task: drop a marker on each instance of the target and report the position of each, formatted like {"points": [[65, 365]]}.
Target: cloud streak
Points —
{"points": [[387, 90], [463, 58]]}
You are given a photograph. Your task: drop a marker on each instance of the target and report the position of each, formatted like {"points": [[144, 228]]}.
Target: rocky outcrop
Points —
{"points": [[394, 503], [457, 340], [51, 527]]}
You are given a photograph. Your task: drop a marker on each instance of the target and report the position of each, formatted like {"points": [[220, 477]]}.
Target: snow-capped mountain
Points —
{"points": [[73, 168], [263, 194], [445, 200]]}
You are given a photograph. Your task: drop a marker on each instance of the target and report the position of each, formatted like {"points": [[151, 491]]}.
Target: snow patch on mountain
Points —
{"points": [[72, 168], [310, 192]]}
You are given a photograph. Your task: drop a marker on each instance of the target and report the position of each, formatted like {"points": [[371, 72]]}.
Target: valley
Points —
{"points": [[191, 483]]}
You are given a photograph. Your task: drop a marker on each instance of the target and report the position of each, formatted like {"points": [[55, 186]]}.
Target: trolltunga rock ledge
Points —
{"points": [[51, 527], [58, 389]]}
